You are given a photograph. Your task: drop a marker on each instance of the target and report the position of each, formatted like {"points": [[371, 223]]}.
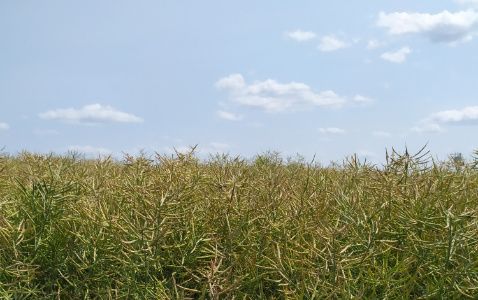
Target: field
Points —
{"points": [[175, 227]]}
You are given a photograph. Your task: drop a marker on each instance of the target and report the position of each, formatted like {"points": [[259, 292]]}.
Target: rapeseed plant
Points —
{"points": [[175, 227]]}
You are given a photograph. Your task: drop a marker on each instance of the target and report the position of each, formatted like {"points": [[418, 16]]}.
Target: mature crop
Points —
{"points": [[174, 227]]}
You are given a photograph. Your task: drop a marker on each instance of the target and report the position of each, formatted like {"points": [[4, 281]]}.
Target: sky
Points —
{"points": [[323, 79]]}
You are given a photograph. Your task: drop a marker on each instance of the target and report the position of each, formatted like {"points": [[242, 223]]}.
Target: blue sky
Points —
{"points": [[323, 78]]}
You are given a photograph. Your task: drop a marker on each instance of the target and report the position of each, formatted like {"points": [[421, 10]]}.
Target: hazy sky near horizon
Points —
{"points": [[323, 78]]}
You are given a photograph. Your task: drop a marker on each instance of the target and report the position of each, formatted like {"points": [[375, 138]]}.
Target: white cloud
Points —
{"points": [[332, 130], [362, 100], [426, 127], [442, 27], [382, 134], [90, 150], [4, 126], [465, 116], [398, 56], [301, 36], [272, 97], [330, 43], [366, 153], [90, 114], [234, 81], [229, 116], [219, 146]]}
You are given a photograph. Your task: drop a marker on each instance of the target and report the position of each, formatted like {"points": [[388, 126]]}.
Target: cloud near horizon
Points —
{"points": [[90, 115], [90, 150], [332, 130], [465, 116], [444, 27], [273, 97]]}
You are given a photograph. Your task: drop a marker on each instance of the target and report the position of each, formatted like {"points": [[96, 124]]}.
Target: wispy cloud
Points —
{"points": [[465, 116], [425, 127], [374, 43], [382, 134], [331, 130], [366, 154], [4, 126], [90, 115], [273, 97], [472, 3], [362, 100], [229, 116], [397, 56], [301, 36], [443, 27], [219, 146], [331, 43]]}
